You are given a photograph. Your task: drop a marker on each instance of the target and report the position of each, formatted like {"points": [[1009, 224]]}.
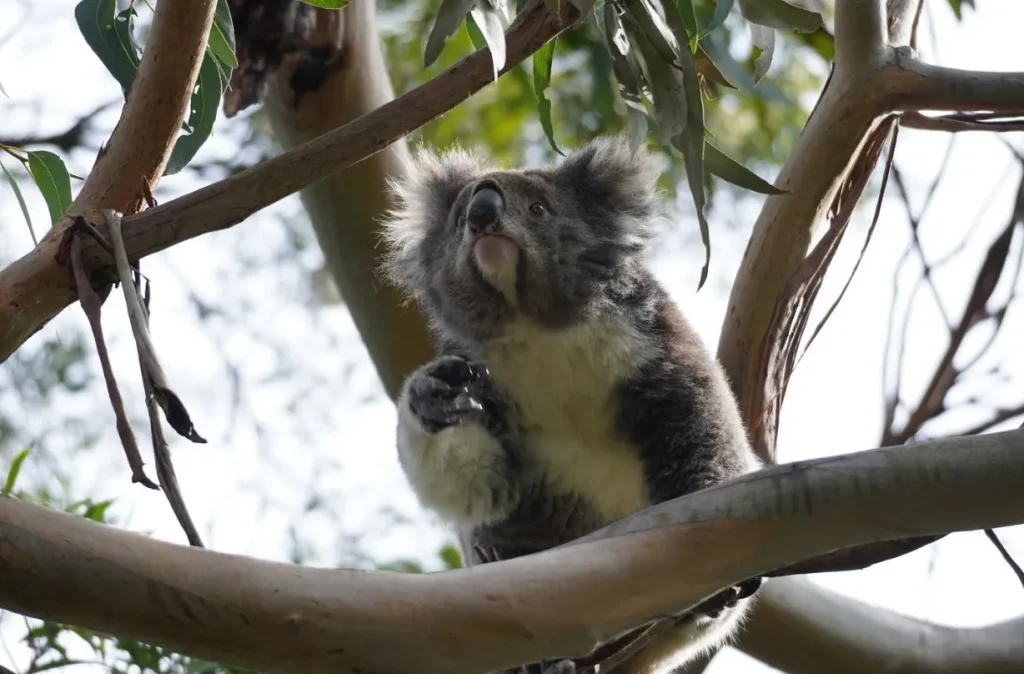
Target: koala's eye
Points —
{"points": [[537, 208]]}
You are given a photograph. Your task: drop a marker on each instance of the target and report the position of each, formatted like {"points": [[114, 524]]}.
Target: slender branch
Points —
{"points": [[861, 40], [283, 618], [35, 288], [956, 124], [800, 626]]}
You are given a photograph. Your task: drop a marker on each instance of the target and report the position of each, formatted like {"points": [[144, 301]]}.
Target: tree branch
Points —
{"points": [[285, 618], [860, 34], [35, 288], [914, 85], [345, 207], [800, 626]]}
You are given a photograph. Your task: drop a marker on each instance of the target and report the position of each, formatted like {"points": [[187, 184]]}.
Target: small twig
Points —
{"points": [[91, 304], [174, 410], [960, 122], [162, 453], [1006, 555], [154, 382]]}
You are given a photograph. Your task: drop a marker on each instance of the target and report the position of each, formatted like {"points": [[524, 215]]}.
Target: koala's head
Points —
{"points": [[478, 246]]}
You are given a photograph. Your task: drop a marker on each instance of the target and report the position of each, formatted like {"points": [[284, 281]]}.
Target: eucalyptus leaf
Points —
{"points": [[722, 165], [12, 472], [625, 64], [687, 13], [222, 35], [722, 9], [202, 113], [543, 59], [667, 94], [449, 17], [52, 179], [647, 18], [111, 37], [585, 7], [488, 20], [637, 128], [710, 70], [691, 143], [781, 15], [763, 38], [475, 36], [21, 202]]}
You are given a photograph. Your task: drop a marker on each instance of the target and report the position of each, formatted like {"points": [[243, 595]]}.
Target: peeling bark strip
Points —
{"points": [[34, 289], [278, 617]]}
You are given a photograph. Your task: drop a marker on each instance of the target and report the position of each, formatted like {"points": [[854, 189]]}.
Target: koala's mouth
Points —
{"points": [[495, 254]]}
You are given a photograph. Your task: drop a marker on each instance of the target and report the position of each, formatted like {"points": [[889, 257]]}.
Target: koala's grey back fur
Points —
{"points": [[600, 399]]}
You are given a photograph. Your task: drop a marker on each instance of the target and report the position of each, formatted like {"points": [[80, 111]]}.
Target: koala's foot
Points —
{"points": [[728, 598], [454, 391]]}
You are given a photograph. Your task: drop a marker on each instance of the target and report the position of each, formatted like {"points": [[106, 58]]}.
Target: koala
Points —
{"points": [[568, 391]]}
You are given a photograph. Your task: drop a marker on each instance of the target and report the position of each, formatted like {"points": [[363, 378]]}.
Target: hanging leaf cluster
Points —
{"points": [[658, 57]]}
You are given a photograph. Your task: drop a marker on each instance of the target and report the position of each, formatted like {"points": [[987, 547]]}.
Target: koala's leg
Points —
{"points": [[455, 442]]}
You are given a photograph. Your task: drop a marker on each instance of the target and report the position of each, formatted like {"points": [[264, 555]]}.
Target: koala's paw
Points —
{"points": [[728, 598], [453, 391]]}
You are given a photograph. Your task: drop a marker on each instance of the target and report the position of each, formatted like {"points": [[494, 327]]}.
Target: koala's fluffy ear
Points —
{"points": [[606, 171], [422, 199]]}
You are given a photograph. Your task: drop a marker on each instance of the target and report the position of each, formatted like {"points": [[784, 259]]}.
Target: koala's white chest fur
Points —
{"points": [[564, 385]]}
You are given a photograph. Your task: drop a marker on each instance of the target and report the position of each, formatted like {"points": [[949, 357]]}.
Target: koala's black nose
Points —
{"points": [[484, 209]]}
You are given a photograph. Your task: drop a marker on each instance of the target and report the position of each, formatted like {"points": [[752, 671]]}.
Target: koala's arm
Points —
{"points": [[457, 443]]}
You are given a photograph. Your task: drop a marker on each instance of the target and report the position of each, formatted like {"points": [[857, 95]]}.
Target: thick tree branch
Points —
{"points": [[286, 618], [132, 163], [915, 85], [35, 288], [801, 626], [860, 34], [345, 207]]}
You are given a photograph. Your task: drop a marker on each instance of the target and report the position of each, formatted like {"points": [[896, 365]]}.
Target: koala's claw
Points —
{"points": [[728, 598], [551, 667], [448, 392]]}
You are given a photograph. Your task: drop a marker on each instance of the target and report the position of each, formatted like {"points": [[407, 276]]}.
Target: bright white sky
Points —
{"points": [[832, 405]]}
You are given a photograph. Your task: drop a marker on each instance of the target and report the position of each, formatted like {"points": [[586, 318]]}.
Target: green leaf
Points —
{"points": [[722, 165], [110, 37], [487, 18], [475, 36], [12, 472], [653, 27], [691, 143], [53, 181], [451, 557], [781, 15], [957, 7], [21, 202], [222, 35], [763, 38], [542, 61], [689, 17], [97, 511], [203, 112], [449, 16], [327, 4]]}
